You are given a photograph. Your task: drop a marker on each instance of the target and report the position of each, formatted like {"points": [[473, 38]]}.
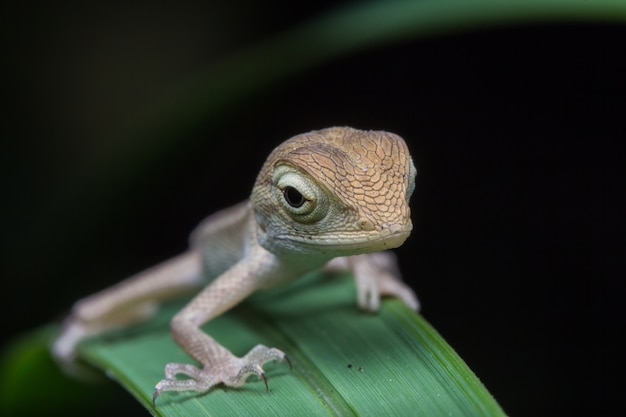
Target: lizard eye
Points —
{"points": [[293, 197], [412, 175], [299, 196]]}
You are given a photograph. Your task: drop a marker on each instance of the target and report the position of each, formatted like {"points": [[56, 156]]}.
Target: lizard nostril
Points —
{"points": [[366, 224]]}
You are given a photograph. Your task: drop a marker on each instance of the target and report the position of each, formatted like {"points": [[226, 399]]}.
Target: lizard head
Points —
{"points": [[335, 192]]}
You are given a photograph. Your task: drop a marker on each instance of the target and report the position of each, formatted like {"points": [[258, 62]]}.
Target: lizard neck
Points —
{"points": [[292, 257]]}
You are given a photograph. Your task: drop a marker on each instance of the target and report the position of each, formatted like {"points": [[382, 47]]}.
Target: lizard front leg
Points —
{"points": [[376, 275], [218, 364]]}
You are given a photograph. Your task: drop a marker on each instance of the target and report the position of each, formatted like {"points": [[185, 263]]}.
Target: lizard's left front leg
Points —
{"points": [[376, 275], [218, 364]]}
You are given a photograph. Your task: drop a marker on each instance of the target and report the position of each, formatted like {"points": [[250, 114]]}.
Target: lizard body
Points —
{"points": [[327, 199]]}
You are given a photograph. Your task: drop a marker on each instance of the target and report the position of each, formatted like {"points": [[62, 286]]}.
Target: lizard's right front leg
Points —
{"points": [[217, 364]]}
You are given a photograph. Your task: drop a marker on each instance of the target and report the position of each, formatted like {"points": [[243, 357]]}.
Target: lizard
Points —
{"points": [[332, 199]]}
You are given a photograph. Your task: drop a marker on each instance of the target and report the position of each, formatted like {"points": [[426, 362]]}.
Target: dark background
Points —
{"points": [[518, 134]]}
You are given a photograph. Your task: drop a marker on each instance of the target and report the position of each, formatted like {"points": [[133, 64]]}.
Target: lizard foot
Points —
{"points": [[233, 372], [377, 275]]}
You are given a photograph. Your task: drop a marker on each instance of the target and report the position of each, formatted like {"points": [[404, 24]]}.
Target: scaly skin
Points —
{"points": [[328, 199]]}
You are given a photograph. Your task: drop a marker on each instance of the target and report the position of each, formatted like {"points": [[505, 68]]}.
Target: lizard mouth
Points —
{"points": [[339, 245]]}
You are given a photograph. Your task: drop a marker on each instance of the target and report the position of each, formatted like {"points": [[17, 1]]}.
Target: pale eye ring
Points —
{"points": [[293, 197]]}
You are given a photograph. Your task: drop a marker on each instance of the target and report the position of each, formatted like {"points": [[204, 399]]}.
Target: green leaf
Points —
{"points": [[345, 362], [31, 383]]}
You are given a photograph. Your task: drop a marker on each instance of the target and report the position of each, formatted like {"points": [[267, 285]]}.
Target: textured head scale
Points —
{"points": [[356, 183]]}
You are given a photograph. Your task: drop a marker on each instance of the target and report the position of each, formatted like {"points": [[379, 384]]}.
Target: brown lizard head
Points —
{"points": [[337, 191]]}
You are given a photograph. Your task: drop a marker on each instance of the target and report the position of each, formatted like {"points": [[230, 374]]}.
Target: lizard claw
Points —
{"points": [[286, 359], [155, 394], [264, 378]]}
